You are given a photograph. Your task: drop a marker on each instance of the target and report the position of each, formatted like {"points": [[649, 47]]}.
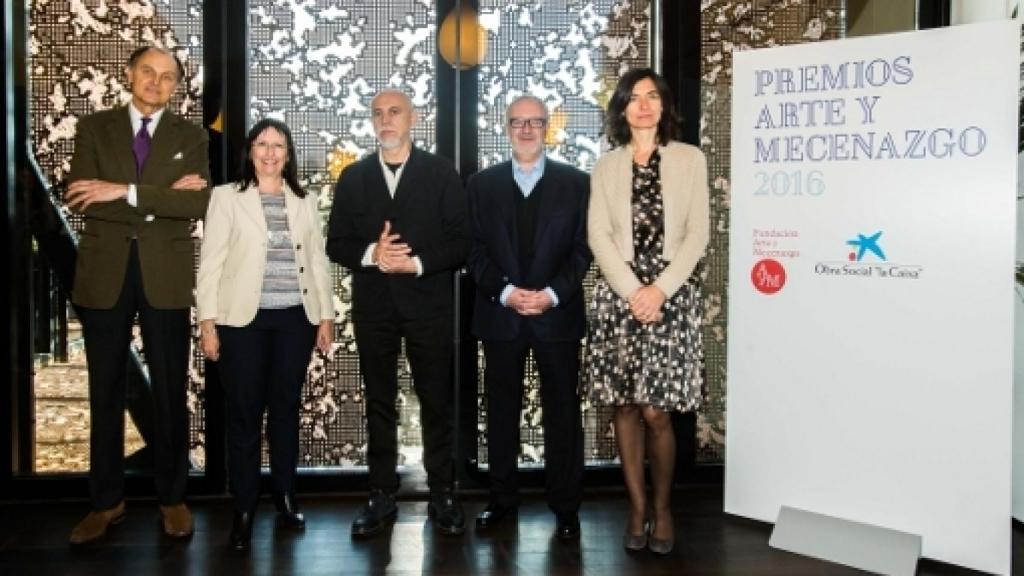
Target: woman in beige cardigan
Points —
{"points": [[647, 228], [264, 296]]}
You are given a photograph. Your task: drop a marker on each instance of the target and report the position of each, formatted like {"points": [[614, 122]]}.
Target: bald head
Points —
{"points": [[393, 119]]}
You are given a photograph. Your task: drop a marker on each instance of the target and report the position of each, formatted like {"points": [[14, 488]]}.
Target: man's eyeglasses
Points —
{"points": [[518, 123]]}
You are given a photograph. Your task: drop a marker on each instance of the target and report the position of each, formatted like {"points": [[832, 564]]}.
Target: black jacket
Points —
{"points": [[561, 255], [428, 211]]}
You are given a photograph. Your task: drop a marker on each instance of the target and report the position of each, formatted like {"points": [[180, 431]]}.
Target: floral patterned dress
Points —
{"points": [[659, 364]]}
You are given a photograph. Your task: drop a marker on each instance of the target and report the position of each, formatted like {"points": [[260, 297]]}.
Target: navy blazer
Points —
{"points": [[561, 254]]}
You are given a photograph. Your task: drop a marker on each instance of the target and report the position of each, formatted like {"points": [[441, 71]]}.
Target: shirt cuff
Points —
{"points": [[368, 256], [505, 294], [554, 297], [419, 265], [133, 196]]}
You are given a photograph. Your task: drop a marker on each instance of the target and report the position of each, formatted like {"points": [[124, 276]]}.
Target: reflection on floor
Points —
{"points": [[61, 399], [33, 540]]}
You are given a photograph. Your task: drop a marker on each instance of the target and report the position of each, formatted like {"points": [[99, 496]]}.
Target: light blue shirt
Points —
{"points": [[527, 181]]}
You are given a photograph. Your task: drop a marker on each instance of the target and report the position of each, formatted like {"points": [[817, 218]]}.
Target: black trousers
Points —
{"points": [[558, 366], [428, 346], [165, 337], [263, 367]]}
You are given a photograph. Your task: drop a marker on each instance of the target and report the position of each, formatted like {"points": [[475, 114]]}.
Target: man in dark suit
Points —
{"points": [[139, 175], [528, 259], [398, 222]]}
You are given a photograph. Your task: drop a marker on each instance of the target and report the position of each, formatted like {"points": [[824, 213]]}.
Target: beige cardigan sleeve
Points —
{"points": [[601, 231], [696, 231]]}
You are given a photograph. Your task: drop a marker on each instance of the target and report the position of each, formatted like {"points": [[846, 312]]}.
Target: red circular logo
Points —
{"points": [[768, 276]]}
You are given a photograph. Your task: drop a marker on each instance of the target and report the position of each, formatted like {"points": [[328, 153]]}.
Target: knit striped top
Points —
{"points": [[280, 277]]}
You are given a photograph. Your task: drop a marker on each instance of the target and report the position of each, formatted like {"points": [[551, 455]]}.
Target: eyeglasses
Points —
{"points": [[518, 123]]}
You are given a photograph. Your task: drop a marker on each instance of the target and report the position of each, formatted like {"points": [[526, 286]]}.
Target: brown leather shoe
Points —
{"points": [[95, 524], [177, 521]]}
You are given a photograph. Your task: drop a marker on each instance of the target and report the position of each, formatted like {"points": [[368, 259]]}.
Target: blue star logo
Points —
{"points": [[866, 244]]}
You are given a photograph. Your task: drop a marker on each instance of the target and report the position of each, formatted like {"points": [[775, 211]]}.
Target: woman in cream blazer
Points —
{"points": [[264, 295], [647, 228]]}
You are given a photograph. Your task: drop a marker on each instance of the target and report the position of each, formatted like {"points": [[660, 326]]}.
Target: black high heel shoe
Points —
{"points": [[288, 512], [241, 531]]}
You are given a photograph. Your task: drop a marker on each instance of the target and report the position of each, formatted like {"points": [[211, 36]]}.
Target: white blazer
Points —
{"points": [[684, 194], [234, 256]]}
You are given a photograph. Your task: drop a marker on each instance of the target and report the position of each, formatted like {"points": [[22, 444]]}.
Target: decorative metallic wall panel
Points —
{"points": [[316, 65], [76, 58], [568, 53], [726, 27]]}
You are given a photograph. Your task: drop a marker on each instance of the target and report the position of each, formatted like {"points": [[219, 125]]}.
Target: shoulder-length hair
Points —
{"points": [[617, 130], [290, 171]]}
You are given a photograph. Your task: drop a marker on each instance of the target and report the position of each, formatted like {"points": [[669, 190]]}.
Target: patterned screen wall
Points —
{"points": [[76, 58], [569, 54], [316, 65], [728, 26]]}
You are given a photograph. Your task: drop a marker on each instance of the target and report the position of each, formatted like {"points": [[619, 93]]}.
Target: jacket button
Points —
{"points": [[298, 246], [304, 290], [301, 269]]}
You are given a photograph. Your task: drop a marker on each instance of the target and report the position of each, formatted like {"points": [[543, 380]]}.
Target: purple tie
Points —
{"points": [[140, 146]]}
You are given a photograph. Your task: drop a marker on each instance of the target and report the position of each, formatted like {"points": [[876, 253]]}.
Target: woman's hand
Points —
{"points": [[209, 339], [325, 336], [645, 304]]}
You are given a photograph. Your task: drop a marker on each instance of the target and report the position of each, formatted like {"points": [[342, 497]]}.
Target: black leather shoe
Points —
{"points": [[288, 512], [380, 512], [568, 527], [493, 515], [241, 531], [445, 510]]}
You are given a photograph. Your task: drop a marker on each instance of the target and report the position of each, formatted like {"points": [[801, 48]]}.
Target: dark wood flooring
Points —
{"points": [[33, 540]]}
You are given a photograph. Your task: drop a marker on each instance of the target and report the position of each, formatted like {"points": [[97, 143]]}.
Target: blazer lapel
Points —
{"points": [[548, 201], [250, 203], [161, 152], [293, 212], [119, 137], [505, 203]]}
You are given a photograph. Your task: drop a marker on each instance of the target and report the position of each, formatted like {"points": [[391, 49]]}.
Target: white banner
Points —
{"points": [[871, 285]]}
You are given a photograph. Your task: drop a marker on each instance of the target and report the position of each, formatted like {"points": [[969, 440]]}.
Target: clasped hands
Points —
{"points": [[528, 302], [81, 193], [645, 303], [392, 256]]}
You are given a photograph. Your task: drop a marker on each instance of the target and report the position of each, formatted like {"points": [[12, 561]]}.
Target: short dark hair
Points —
{"points": [[290, 172], [617, 130], [133, 59]]}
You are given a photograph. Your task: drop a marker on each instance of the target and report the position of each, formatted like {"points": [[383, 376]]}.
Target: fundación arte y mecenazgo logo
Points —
{"points": [[768, 276], [867, 259]]}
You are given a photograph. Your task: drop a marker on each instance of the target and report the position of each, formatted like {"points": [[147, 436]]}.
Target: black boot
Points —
{"points": [[446, 511], [241, 531], [379, 512], [288, 511]]}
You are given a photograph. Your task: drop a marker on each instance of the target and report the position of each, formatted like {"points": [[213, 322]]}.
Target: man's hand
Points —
{"points": [[193, 182], [392, 256], [529, 302], [82, 193], [645, 304]]}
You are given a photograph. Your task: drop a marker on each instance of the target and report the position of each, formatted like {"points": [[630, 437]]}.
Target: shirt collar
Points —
{"points": [[536, 171], [136, 118]]}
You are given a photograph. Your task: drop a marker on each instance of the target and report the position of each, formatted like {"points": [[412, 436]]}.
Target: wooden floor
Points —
{"points": [[33, 540]]}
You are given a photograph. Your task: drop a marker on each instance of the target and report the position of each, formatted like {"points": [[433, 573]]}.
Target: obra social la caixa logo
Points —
{"points": [[768, 276], [866, 259]]}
